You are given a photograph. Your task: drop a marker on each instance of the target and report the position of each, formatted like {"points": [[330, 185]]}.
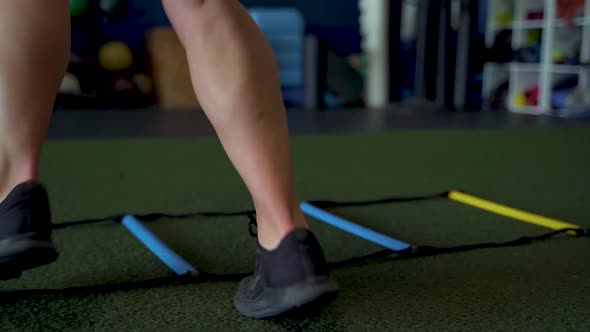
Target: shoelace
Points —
{"points": [[252, 224]]}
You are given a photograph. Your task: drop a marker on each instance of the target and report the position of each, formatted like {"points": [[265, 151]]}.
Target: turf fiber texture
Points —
{"points": [[542, 286]]}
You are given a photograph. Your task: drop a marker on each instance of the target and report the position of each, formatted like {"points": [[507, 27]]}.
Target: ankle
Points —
{"points": [[273, 229], [12, 175]]}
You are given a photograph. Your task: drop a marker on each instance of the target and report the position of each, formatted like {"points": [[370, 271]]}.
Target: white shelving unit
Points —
{"points": [[373, 22], [555, 33]]}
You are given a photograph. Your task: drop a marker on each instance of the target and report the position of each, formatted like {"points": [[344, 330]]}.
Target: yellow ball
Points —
{"points": [[533, 37], [143, 83], [557, 55], [504, 17], [115, 55], [70, 85], [520, 100]]}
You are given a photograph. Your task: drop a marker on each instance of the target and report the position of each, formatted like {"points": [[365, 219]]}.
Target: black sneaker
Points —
{"points": [[292, 276], [25, 230]]}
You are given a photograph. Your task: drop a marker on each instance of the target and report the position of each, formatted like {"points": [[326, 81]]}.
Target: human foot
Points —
{"points": [[293, 275], [25, 230]]}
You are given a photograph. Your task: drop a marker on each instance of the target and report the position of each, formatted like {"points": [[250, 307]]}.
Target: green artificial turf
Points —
{"points": [[541, 286]]}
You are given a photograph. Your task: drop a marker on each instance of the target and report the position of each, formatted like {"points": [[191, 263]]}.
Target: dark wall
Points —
{"points": [[340, 13], [335, 13], [335, 20]]}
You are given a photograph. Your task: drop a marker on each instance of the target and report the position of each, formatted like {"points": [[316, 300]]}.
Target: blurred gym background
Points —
{"points": [[457, 55]]}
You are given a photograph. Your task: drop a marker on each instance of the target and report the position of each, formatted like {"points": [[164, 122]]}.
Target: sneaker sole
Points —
{"points": [[276, 302], [23, 253]]}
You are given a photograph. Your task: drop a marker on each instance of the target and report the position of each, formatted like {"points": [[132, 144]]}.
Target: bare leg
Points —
{"points": [[237, 83], [35, 40]]}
